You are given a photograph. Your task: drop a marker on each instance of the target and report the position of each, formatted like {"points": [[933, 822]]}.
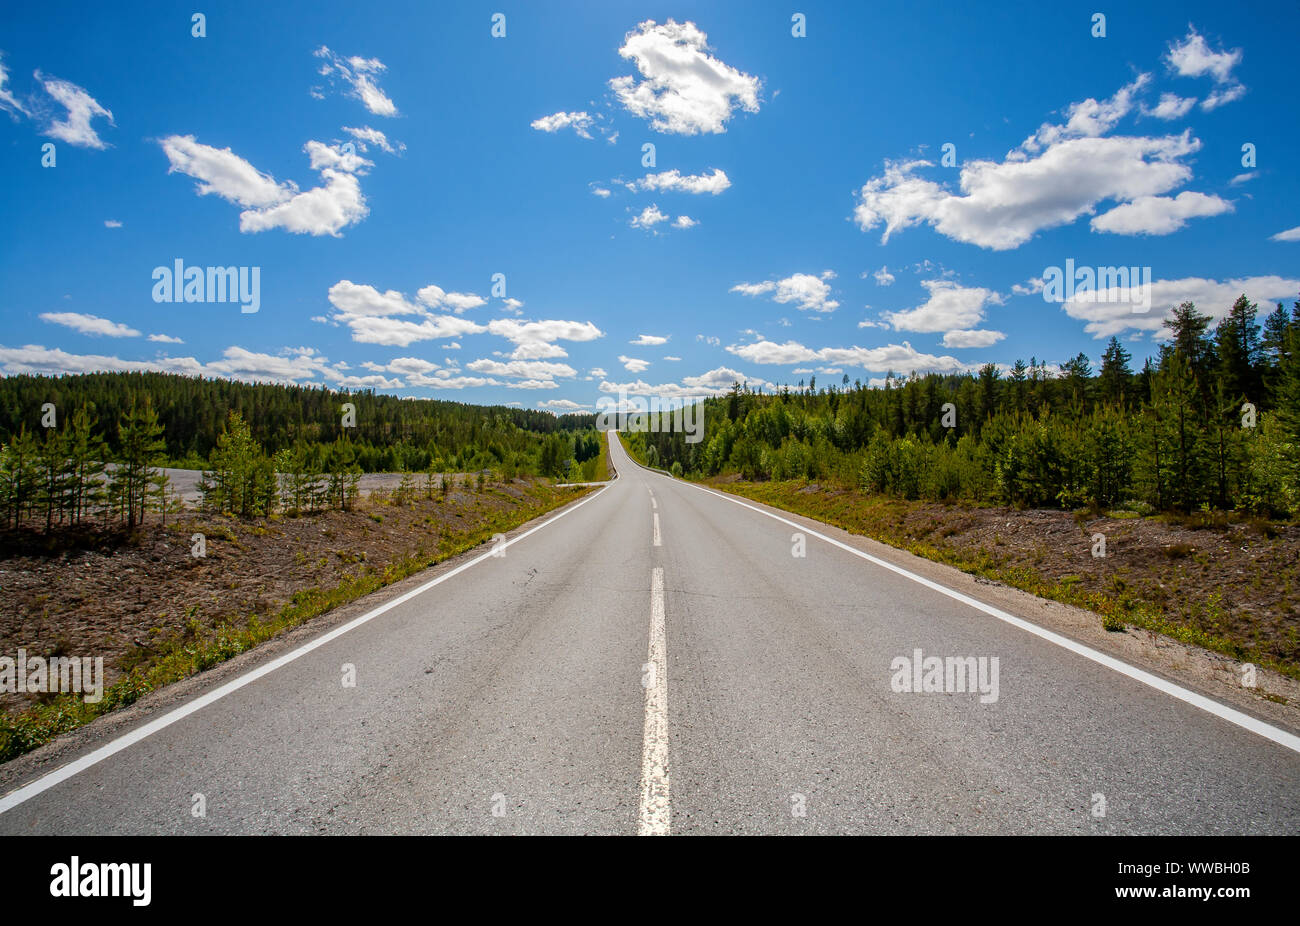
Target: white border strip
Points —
{"points": [[1210, 706], [655, 818], [44, 783]]}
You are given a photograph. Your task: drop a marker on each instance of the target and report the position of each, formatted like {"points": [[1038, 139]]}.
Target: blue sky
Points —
{"points": [[799, 218]]}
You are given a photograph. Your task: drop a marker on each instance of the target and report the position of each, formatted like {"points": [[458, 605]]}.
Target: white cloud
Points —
{"points": [[523, 369], [325, 210], [579, 122], [808, 292], [685, 221], [1221, 97], [360, 74], [650, 216], [684, 90], [566, 405], [1159, 215], [269, 204], [293, 365], [75, 129], [165, 339], [960, 339], [675, 181], [536, 340], [1243, 178], [669, 357], [1003, 205], [365, 135], [883, 277], [648, 340], [896, 357], [1087, 119], [1171, 106], [633, 365], [513, 306], [7, 100], [435, 298], [601, 192], [950, 306], [335, 157], [1291, 234], [221, 171], [112, 223], [1109, 310], [90, 324], [1192, 57]]}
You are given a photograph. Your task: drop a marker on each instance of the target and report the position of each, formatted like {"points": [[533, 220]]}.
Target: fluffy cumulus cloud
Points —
{"points": [[372, 317], [950, 307], [90, 324], [675, 181], [1171, 106], [809, 293], [1062, 172], [683, 89], [579, 122], [883, 277], [268, 203], [890, 357], [1193, 57], [633, 365], [1004, 204], [684, 221], [1109, 310], [1159, 215], [361, 76], [563, 405], [536, 340], [649, 217], [75, 127], [649, 340], [437, 298]]}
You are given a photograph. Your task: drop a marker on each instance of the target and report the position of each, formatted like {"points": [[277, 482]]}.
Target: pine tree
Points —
{"points": [[140, 439], [86, 456], [1115, 373], [1237, 343]]}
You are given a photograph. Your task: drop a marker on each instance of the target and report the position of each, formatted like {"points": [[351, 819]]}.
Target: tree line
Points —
{"points": [[389, 434], [1212, 422], [75, 474]]}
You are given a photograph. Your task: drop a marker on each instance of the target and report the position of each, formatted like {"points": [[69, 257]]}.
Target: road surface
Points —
{"points": [[657, 659]]}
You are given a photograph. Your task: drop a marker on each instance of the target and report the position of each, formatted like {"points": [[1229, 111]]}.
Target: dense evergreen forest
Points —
{"points": [[87, 451], [390, 433], [1213, 422]]}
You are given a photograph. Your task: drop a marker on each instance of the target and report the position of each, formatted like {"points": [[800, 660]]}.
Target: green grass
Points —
{"points": [[198, 649]]}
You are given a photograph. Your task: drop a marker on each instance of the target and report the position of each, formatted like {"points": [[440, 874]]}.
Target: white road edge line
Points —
{"points": [[59, 775], [653, 503], [1210, 706], [655, 818], [658, 539]]}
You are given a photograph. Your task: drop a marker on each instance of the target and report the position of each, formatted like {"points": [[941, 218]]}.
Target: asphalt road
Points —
{"points": [[656, 659]]}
